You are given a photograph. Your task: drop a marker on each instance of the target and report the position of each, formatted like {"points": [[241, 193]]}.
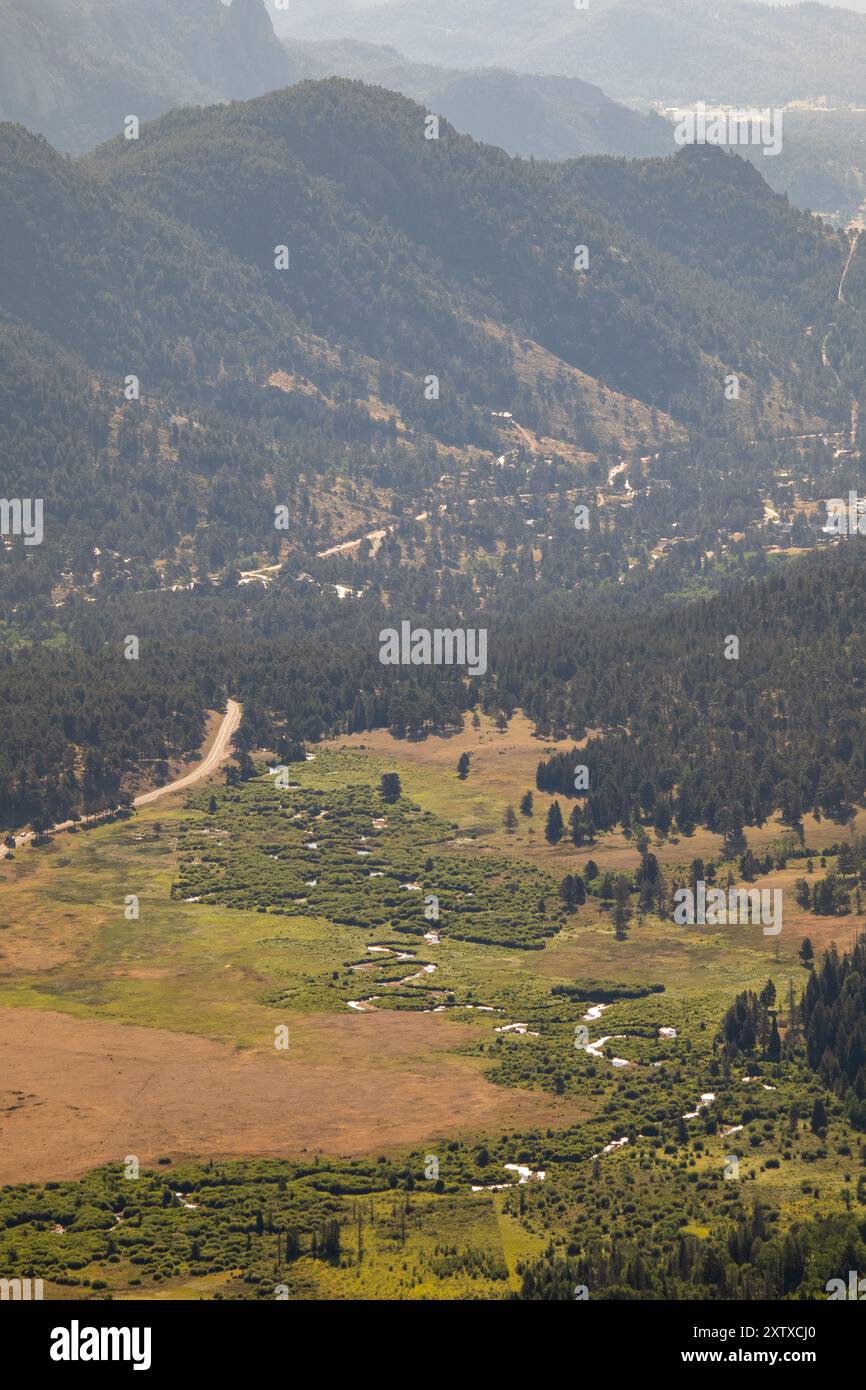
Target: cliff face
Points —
{"points": [[253, 59], [73, 69]]}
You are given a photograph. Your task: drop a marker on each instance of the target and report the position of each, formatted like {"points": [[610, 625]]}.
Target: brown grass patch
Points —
{"points": [[77, 1094]]}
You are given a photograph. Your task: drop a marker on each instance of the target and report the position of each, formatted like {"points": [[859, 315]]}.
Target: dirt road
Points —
{"points": [[218, 754]]}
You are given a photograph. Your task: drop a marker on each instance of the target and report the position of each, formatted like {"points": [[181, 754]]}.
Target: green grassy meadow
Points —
{"points": [[279, 932]]}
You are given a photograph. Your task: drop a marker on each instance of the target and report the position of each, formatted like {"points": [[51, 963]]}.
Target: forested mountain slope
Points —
{"points": [[305, 389], [462, 235], [408, 259]]}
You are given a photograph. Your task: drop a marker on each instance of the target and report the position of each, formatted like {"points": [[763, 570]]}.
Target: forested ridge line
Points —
{"points": [[695, 738]]}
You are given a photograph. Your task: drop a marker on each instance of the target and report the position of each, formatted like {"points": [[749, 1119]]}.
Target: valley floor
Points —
{"points": [[218, 1028]]}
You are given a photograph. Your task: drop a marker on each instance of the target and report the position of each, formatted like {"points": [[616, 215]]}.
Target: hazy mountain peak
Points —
{"points": [[74, 69]]}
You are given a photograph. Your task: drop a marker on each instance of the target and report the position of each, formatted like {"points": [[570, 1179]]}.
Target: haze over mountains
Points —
{"points": [[666, 50], [73, 69], [409, 258], [157, 257], [152, 56], [578, 319], [857, 6], [323, 310], [682, 53], [525, 114]]}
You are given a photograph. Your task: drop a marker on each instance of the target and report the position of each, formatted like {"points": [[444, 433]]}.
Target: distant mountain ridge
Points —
{"points": [[410, 257], [301, 379], [669, 50], [72, 70], [526, 114]]}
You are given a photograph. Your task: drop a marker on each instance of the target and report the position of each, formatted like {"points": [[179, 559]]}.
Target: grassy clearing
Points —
{"points": [[251, 953]]}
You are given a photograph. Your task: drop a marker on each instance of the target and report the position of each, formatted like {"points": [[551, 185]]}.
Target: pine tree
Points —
{"points": [[555, 828], [390, 787], [774, 1046], [566, 892], [622, 909], [768, 995]]}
